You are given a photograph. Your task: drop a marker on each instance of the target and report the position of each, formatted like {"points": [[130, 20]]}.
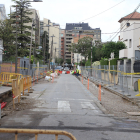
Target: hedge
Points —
{"points": [[113, 62], [104, 62]]}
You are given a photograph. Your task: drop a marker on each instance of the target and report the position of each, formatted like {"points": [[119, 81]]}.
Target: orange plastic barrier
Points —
{"points": [[99, 94], [88, 85], [60, 72], [68, 72]]}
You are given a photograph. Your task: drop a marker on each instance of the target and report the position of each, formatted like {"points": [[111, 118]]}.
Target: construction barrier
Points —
{"points": [[88, 85], [138, 88], [60, 72], [68, 72], [27, 83], [99, 93], [18, 87], [6, 77], [37, 132]]}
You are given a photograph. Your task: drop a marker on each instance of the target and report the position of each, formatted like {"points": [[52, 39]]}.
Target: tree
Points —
{"points": [[47, 44], [83, 47], [112, 47], [6, 34], [68, 61], [24, 31]]}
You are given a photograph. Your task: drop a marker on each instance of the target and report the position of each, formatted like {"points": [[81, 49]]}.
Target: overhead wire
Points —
{"points": [[103, 11], [126, 22]]}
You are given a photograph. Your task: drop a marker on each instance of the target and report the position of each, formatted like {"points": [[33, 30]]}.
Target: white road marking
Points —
{"points": [[64, 106], [69, 99], [87, 105]]}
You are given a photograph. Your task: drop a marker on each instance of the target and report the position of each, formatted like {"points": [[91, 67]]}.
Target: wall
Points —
{"points": [[125, 27], [133, 34]]}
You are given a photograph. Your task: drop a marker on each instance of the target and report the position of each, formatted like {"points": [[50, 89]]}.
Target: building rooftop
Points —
{"points": [[132, 16], [85, 26]]}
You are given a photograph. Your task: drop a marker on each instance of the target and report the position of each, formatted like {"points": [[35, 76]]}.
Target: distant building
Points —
{"points": [[130, 34], [62, 42], [53, 29], [36, 17], [76, 31], [2, 12]]}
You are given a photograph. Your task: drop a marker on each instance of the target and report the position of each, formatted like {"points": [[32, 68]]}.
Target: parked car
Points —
{"points": [[58, 68], [66, 68]]}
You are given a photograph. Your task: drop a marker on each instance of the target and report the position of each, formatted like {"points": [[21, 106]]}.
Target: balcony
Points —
{"points": [[123, 53]]}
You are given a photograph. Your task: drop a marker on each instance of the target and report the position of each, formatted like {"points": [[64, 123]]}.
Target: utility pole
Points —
{"points": [[51, 55], [30, 49], [44, 47], [16, 42]]}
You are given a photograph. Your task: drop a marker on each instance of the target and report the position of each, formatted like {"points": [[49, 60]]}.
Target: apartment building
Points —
{"points": [[2, 12], [36, 18], [77, 30], [53, 31], [62, 43], [130, 34], [2, 17]]}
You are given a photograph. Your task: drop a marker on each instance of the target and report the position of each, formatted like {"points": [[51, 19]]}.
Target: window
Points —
{"points": [[130, 43], [128, 24], [61, 35]]}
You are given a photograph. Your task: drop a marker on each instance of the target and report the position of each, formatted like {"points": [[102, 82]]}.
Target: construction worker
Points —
{"points": [[77, 72], [72, 72]]}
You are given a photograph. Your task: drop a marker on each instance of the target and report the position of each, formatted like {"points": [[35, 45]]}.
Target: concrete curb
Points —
{"points": [[96, 101], [101, 107]]}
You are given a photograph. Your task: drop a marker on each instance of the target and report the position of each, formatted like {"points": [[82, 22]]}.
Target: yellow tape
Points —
{"points": [[123, 73]]}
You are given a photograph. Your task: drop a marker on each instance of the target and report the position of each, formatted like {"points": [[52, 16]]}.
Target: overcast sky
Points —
{"points": [[75, 11]]}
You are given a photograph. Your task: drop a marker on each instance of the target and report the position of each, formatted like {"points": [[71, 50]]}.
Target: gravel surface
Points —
{"points": [[113, 103], [24, 104]]}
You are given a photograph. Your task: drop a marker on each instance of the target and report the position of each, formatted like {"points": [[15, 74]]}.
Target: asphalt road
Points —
{"points": [[67, 105]]}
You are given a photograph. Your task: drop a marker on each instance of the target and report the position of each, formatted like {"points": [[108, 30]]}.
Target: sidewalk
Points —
{"points": [[126, 93], [4, 90]]}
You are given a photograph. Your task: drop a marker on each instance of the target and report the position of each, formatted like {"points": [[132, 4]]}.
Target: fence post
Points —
{"points": [[108, 71], [104, 72], [114, 76]]}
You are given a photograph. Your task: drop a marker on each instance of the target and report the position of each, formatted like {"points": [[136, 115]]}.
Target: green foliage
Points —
{"points": [[104, 62], [59, 60], [83, 47], [112, 47], [113, 62], [88, 63], [6, 34], [68, 61], [41, 54], [96, 63], [32, 59], [82, 63], [23, 31]]}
